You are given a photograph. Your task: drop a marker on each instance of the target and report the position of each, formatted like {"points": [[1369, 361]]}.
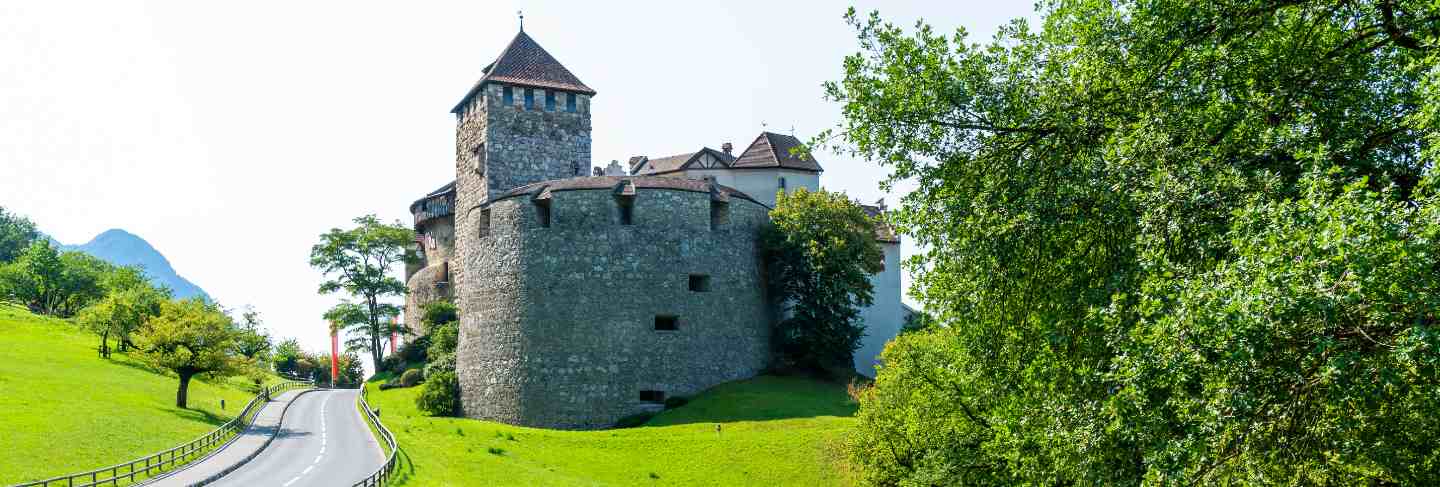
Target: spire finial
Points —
{"points": [[521, 13]]}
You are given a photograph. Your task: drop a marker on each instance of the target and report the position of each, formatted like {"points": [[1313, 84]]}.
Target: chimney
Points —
{"points": [[726, 147]]}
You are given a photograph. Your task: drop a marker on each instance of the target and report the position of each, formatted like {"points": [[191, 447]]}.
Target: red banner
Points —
{"points": [[394, 335], [334, 355]]}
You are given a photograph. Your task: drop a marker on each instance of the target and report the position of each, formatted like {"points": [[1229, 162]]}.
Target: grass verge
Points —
{"points": [[64, 410], [774, 431]]}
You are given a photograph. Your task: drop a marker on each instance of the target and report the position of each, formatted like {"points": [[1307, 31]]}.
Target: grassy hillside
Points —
{"points": [[63, 409], [774, 431]]}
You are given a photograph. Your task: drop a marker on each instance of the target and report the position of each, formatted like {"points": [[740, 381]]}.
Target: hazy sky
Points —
{"points": [[230, 135]]}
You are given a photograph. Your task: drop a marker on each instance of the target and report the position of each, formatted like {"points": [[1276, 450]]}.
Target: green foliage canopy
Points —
{"points": [[16, 234], [190, 338], [819, 255], [1167, 241]]}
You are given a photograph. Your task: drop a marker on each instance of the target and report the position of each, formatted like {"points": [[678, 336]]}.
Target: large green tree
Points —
{"points": [[819, 255], [190, 338], [1168, 242], [360, 261], [52, 282], [121, 314], [16, 233]]}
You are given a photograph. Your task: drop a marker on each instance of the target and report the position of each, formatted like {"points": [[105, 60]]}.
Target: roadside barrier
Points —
{"points": [[147, 466], [383, 475]]}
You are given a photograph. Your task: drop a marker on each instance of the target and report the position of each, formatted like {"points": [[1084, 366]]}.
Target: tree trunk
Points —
{"points": [[181, 394], [105, 345]]}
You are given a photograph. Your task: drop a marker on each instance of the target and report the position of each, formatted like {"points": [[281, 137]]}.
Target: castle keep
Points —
{"points": [[586, 298]]}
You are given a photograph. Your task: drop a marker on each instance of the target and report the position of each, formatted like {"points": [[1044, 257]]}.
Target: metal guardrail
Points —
{"points": [[144, 467], [383, 475]]}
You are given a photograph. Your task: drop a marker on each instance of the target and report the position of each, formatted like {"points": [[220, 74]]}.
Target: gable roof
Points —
{"points": [[525, 63], [676, 162], [773, 150]]}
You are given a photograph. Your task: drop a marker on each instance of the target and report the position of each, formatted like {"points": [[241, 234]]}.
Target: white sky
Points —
{"points": [[230, 135]]}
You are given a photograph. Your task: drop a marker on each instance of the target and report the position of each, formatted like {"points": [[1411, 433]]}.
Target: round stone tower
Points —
{"points": [[590, 299]]}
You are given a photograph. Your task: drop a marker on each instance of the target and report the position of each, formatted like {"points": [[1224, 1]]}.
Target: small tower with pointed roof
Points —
{"points": [[526, 120]]}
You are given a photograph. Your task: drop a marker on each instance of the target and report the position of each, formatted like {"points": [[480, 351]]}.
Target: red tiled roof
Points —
{"points": [[773, 150]]}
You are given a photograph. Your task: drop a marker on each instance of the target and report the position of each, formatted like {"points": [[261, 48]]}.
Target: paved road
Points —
{"points": [[323, 441]]}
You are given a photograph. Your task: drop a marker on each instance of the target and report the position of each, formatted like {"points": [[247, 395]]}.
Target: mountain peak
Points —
{"points": [[120, 247]]}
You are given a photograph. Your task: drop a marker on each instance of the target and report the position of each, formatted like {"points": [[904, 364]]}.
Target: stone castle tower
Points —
{"points": [[526, 120]]}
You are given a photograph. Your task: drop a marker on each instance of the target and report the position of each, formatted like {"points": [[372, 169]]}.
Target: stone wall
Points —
{"points": [[558, 325]]}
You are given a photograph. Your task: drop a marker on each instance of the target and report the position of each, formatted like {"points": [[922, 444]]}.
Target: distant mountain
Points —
{"points": [[120, 247]]}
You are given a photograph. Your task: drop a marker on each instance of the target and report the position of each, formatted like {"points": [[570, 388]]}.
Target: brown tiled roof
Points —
{"points": [[662, 164], [883, 231], [677, 162], [525, 63], [611, 182], [773, 150]]}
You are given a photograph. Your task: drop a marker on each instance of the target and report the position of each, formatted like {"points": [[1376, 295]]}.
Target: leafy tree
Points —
{"points": [[437, 313], [1176, 242], [190, 338], [16, 234], [819, 256], [287, 356], [122, 313], [53, 283], [251, 340], [359, 262]]}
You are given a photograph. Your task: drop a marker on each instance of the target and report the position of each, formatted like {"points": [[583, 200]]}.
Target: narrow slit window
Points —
{"points": [[700, 283], [542, 213], [570, 102], [719, 214], [529, 99], [508, 96], [484, 222], [782, 183], [626, 206], [657, 397], [480, 159], [549, 101], [667, 323]]}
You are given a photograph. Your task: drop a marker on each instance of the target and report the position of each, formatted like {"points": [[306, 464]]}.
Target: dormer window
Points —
{"points": [[508, 95]]}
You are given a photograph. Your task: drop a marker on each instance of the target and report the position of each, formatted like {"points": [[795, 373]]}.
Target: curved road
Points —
{"points": [[323, 441]]}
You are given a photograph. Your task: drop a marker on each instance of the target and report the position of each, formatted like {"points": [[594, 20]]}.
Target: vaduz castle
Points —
{"points": [[588, 295]]}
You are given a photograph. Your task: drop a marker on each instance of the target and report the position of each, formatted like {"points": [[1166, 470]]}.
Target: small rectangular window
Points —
{"points": [[529, 99], [667, 323], [484, 222], [657, 397], [719, 214], [570, 102], [700, 283], [542, 212], [782, 183], [627, 210], [549, 101], [509, 96]]}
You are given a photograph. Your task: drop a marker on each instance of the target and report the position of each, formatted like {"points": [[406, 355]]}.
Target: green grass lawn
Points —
{"points": [[774, 431], [63, 409]]}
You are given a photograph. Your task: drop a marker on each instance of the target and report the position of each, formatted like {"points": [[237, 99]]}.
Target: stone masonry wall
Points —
{"points": [[558, 323]]}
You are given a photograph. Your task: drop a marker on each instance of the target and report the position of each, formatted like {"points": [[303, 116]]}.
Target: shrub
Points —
{"points": [[443, 339], [440, 396], [438, 313], [411, 378], [442, 363], [412, 352], [634, 420], [676, 401]]}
